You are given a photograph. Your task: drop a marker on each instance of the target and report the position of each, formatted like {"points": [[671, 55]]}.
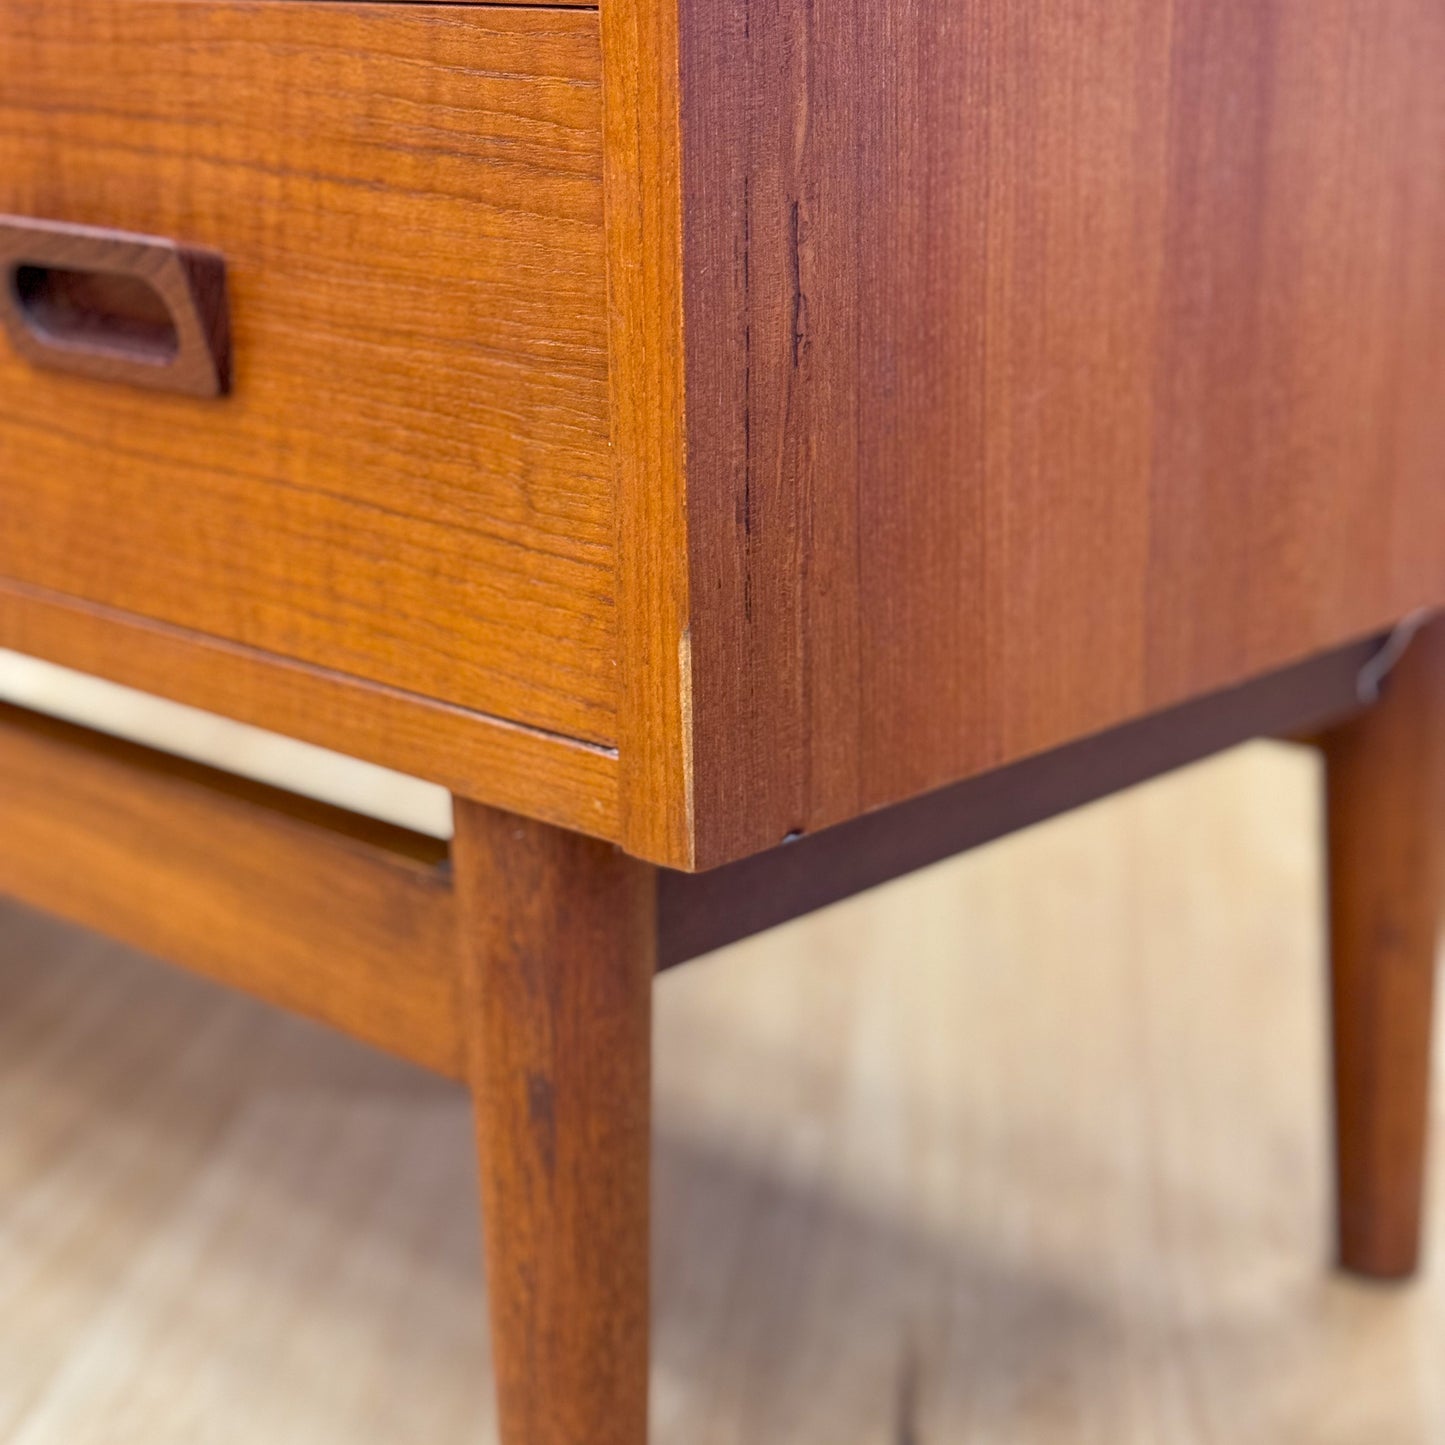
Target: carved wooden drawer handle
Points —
{"points": [[116, 306]]}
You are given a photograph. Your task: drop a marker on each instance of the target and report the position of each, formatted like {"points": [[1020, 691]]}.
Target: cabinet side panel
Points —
{"points": [[1046, 365]]}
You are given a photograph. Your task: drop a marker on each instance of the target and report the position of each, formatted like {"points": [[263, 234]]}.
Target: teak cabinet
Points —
{"points": [[743, 449], [701, 424]]}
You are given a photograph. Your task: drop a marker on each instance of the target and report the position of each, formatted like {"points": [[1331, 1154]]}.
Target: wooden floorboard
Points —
{"points": [[1027, 1148]]}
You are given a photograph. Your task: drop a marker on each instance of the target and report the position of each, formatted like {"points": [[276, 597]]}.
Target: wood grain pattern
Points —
{"points": [[645, 300], [338, 918], [411, 481], [528, 771], [1385, 786], [561, 934], [1045, 365]]}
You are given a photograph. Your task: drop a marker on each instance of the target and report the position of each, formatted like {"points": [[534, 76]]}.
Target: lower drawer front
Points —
{"points": [[409, 480]]}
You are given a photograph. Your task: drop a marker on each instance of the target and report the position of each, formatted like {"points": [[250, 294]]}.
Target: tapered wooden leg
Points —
{"points": [[561, 933], [1386, 818]]}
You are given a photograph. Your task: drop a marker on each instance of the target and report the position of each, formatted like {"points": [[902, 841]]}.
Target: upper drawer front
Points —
{"points": [[409, 481]]}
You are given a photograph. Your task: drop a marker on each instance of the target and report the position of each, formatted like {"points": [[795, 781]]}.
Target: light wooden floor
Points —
{"points": [[1028, 1149]]}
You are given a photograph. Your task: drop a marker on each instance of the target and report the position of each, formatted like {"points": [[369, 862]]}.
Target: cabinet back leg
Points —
{"points": [[561, 936], [1385, 790]]}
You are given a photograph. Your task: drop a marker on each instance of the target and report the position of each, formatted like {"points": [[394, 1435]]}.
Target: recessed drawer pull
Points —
{"points": [[115, 306]]}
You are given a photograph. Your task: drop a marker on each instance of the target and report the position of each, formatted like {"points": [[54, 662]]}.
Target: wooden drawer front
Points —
{"points": [[409, 482]]}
